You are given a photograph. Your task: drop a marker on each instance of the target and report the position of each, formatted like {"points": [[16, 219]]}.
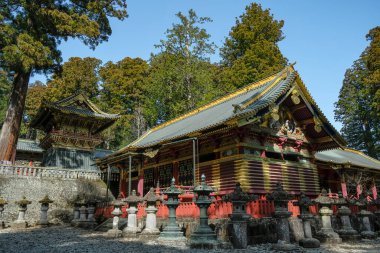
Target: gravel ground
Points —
{"points": [[64, 239]]}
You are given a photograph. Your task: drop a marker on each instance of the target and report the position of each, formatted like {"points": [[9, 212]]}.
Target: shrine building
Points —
{"points": [[266, 132], [72, 130]]}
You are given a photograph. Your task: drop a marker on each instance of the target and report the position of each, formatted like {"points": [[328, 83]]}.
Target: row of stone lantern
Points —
{"points": [[23, 203], [202, 237], [346, 232]]}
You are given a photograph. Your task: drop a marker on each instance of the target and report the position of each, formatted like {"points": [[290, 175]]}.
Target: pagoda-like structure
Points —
{"points": [[72, 128]]}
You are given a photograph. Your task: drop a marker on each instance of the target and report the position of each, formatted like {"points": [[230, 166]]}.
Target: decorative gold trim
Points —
{"points": [[361, 154]]}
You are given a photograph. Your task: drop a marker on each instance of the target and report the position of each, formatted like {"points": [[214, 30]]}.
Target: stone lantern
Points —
{"points": [[366, 228], [132, 229], [22, 207], [281, 199], [203, 237], [3, 202], [326, 234], [151, 229], [76, 214], [239, 216], [304, 203], [91, 206], [44, 209], [346, 232], [172, 231], [115, 231], [82, 222]]}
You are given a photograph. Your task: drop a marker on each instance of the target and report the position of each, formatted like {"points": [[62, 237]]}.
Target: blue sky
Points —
{"points": [[324, 37]]}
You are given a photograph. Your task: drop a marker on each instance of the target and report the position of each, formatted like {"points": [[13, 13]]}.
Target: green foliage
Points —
{"points": [[123, 92], [357, 107], [5, 89], [251, 50], [372, 59], [30, 31], [76, 74], [181, 75]]}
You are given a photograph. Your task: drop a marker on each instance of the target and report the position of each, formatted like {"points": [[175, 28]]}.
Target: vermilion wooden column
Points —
{"points": [[123, 183], [140, 185], [374, 191], [344, 189], [358, 190]]}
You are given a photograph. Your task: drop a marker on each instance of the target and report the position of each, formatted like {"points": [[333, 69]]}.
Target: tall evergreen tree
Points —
{"points": [[251, 51], [75, 74], [36, 93], [372, 59], [30, 32], [357, 107], [5, 87], [181, 74], [123, 92]]}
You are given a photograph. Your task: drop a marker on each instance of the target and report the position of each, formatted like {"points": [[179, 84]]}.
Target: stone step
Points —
{"points": [[107, 224]]}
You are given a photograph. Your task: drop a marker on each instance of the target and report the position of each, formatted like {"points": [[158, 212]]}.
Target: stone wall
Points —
{"points": [[61, 190]]}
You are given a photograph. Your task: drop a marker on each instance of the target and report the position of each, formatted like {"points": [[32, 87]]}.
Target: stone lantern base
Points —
{"points": [[284, 246], [203, 239], [328, 236], [172, 233], [150, 234], [114, 233], [368, 235], [309, 243], [43, 224], [19, 224], [349, 234], [131, 232]]}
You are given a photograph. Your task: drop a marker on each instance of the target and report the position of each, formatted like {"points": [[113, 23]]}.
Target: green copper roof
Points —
{"points": [[28, 146], [255, 99], [75, 106], [348, 156], [80, 104]]}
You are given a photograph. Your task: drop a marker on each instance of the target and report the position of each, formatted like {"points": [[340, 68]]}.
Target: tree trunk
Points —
{"points": [[11, 127]]}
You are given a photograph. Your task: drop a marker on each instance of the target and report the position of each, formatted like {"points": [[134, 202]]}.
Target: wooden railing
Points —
{"points": [[47, 172]]}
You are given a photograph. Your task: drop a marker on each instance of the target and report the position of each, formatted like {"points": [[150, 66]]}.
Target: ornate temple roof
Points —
{"points": [[348, 156], [77, 105], [253, 100]]}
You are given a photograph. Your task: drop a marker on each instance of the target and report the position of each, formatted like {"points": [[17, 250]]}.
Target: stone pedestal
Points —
{"points": [[203, 237], [43, 216], [239, 217], [82, 222], [366, 232], [75, 220], [327, 234], [346, 232], [282, 229], [132, 229], [308, 241], [281, 198], [91, 222], [172, 232], [151, 231], [115, 231], [21, 223], [44, 209]]}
